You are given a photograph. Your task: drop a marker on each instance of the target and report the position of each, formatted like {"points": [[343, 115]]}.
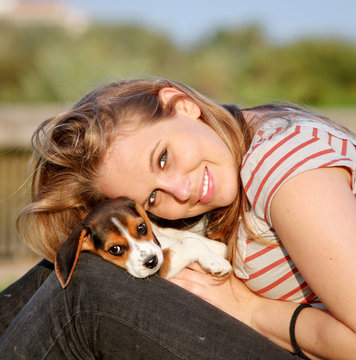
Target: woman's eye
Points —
{"points": [[151, 199], [163, 159], [117, 250]]}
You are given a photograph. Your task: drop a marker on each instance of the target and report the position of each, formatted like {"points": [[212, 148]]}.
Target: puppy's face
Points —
{"points": [[117, 230], [120, 232]]}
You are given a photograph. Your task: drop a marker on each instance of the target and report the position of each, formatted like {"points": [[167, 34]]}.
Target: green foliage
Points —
{"points": [[49, 64]]}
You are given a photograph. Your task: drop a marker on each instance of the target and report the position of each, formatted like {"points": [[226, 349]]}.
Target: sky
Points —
{"points": [[187, 21]]}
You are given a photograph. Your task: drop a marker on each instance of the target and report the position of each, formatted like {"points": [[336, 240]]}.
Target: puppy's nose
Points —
{"points": [[151, 262]]}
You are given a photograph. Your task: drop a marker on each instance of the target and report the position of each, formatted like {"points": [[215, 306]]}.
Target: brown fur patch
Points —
{"points": [[114, 239], [166, 265], [134, 222], [145, 217]]}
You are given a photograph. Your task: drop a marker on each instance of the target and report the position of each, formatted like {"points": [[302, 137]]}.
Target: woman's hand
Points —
{"points": [[227, 293]]}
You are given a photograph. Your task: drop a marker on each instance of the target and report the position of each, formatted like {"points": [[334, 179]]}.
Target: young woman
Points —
{"points": [[275, 183]]}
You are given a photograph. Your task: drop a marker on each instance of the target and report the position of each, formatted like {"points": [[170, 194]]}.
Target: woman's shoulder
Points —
{"points": [[305, 122], [282, 149], [290, 132]]}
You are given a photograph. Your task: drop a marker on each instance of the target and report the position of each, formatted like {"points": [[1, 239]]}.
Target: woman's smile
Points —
{"points": [[207, 188]]}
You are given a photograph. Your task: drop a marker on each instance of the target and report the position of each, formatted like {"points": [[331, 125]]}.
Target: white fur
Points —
{"points": [[187, 247]]}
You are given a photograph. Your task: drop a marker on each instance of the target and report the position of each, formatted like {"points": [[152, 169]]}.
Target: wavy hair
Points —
{"points": [[69, 148]]}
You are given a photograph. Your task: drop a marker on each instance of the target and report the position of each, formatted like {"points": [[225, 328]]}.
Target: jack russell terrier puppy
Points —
{"points": [[120, 232]]}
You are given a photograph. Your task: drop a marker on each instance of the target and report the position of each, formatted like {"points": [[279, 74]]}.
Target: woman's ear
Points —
{"points": [[182, 105]]}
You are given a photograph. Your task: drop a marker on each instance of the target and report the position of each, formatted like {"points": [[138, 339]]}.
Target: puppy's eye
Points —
{"points": [[117, 250], [142, 229]]}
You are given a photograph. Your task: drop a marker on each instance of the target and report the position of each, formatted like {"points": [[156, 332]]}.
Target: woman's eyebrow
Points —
{"points": [[152, 154]]}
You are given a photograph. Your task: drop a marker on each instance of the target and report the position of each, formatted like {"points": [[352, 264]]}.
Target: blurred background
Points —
{"points": [[52, 52]]}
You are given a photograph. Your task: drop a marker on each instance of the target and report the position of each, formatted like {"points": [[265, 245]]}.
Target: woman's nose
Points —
{"points": [[178, 186]]}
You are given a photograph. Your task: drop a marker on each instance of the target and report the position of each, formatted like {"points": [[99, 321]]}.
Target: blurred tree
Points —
{"points": [[307, 71], [219, 63], [47, 64]]}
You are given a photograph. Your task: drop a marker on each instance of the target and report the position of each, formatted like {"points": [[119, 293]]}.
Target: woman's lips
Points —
{"points": [[207, 187]]}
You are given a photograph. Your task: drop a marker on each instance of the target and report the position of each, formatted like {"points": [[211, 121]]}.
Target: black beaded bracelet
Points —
{"points": [[292, 330]]}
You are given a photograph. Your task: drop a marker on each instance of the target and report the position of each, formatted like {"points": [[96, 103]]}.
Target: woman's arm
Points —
{"points": [[318, 333], [314, 214]]}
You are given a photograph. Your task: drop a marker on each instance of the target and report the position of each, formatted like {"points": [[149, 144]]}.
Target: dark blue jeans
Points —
{"points": [[105, 313]]}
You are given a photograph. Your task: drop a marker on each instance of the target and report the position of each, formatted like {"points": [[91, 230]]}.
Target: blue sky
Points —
{"points": [[189, 20]]}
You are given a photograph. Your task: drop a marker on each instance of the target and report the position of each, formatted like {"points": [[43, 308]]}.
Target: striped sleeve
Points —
{"points": [[277, 155]]}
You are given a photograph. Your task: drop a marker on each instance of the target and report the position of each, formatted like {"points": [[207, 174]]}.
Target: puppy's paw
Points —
{"points": [[217, 266]]}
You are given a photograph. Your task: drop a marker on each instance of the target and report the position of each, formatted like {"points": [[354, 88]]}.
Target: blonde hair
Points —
{"points": [[69, 148]]}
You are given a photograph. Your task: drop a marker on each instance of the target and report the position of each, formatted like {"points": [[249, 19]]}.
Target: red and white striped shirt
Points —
{"points": [[277, 153]]}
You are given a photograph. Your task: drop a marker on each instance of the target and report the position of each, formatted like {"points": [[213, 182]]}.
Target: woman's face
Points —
{"points": [[176, 168]]}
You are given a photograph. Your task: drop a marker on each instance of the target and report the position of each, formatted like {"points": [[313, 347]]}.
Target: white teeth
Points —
{"points": [[206, 183]]}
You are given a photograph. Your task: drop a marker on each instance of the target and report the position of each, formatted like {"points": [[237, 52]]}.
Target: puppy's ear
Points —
{"points": [[68, 253]]}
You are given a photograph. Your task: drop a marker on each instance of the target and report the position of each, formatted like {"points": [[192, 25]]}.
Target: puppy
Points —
{"points": [[120, 232]]}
